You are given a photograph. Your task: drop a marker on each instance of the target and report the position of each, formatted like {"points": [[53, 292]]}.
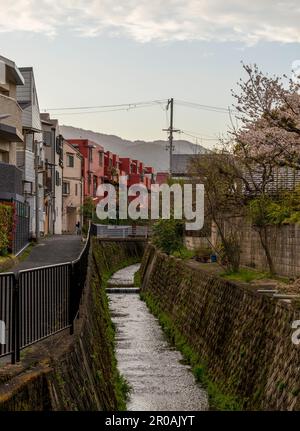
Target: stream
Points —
{"points": [[156, 372]]}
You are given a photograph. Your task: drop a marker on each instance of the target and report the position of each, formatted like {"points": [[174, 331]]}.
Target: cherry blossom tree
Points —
{"points": [[267, 137]]}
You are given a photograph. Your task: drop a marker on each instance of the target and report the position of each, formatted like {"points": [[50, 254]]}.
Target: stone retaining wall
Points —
{"points": [[243, 337], [75, 372]]}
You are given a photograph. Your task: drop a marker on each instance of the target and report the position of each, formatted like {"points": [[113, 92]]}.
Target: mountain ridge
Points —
{"points": [[152, 153]]}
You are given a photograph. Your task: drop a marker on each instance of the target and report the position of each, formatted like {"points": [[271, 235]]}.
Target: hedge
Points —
{"points": [[6, 226]]}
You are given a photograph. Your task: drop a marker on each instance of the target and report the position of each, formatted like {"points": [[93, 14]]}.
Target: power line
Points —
{"points": [[211, 108], [134, 105], [199, 137], [199, 134], [104, 110], [120, 105]]}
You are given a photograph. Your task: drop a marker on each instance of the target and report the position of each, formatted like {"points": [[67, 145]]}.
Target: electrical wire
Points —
{"points": [[120, 105], [199, 134], [198, 137], [210, 108], [133, 105], [105, 110]]}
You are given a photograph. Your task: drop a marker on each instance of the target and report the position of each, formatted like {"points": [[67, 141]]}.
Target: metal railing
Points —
{"points": [[21, 234], [36, 303], [119, 231]]}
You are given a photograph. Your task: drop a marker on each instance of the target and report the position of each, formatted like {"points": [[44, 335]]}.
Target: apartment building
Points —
{"points": [[53, 175], [135, 171], [10, 110], [11, 133], [30, 154], [93, 165], [72, 187]]}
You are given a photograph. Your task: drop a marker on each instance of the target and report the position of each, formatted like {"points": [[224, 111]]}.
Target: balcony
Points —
{"points": [[10, 182], [11, 126]]}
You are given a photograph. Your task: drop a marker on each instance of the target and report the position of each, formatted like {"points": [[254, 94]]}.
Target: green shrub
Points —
{"points": [[184, 253], [6, 226], [168, 235]]}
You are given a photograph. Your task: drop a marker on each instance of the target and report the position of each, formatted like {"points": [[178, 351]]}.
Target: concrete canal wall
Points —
{"points": [[242, 338], [74, 372]]}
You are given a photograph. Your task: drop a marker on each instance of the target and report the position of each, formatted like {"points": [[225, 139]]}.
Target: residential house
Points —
{"points": [[109, 166], [53, 175], [93, 165], [135, 171], [10, 110], [11, 186], [149, 173], [162, 177], [72, 187], [30, 155]]}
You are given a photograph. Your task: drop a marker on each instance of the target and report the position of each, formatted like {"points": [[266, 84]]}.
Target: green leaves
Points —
{"points": [[284, 209], [6, 226], [168, 235]]}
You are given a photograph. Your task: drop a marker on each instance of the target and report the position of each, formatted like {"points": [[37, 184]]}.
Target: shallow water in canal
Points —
{"points": [[158, 377]]}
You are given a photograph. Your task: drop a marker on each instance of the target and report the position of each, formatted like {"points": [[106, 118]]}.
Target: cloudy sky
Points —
{"points": [[103, 52]]}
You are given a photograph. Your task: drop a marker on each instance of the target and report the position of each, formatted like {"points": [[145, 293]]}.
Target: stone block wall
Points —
{"points": [[284, 246], [74, 372], [243, 337]]}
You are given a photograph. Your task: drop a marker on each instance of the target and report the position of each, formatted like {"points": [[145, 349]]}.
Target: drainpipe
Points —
{"points": [[53, 184], [37, 206]]}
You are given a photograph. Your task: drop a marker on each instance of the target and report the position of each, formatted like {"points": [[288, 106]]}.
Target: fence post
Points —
{"points": [[15, 357], [71, 299]]}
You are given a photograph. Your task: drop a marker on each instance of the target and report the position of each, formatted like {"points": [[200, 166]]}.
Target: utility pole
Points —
{"points": [[171, 130]]}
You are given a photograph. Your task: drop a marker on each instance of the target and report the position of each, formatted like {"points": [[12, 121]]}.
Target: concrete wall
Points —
{"points": [[284, 246], [195, 242], [242, 337], [75, 372], [10, 106]]}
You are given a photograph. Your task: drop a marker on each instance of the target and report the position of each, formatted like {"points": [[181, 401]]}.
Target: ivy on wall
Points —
{"points": [[6, 226]]}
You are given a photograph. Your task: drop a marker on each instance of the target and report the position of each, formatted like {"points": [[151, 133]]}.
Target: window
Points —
{"points": [[100, 158], [90, 154], [66, 188], [57, 179], [70, 160], [95, 185], [47, 137], [76, 189], [59, 145]]}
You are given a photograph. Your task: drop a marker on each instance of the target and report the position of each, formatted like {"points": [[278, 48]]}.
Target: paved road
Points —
{"points": [[55, 249]]}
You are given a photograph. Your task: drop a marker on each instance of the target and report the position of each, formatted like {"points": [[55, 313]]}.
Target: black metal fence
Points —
{"points": [[40, 302], [21, 233]]}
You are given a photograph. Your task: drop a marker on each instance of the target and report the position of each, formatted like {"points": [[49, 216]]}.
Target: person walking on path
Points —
{"points": [[78, 228]]}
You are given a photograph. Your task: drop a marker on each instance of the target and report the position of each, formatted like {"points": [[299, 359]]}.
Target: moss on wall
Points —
{"points": [[238, 341], [77, 372]]}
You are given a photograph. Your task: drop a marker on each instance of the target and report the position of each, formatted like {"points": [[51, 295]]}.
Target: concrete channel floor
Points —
{"points": [[159, 378], [52, 250], [125, 276]]}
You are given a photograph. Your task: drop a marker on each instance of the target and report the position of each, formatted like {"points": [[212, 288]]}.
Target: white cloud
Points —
{"points": [[144, 20]]}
